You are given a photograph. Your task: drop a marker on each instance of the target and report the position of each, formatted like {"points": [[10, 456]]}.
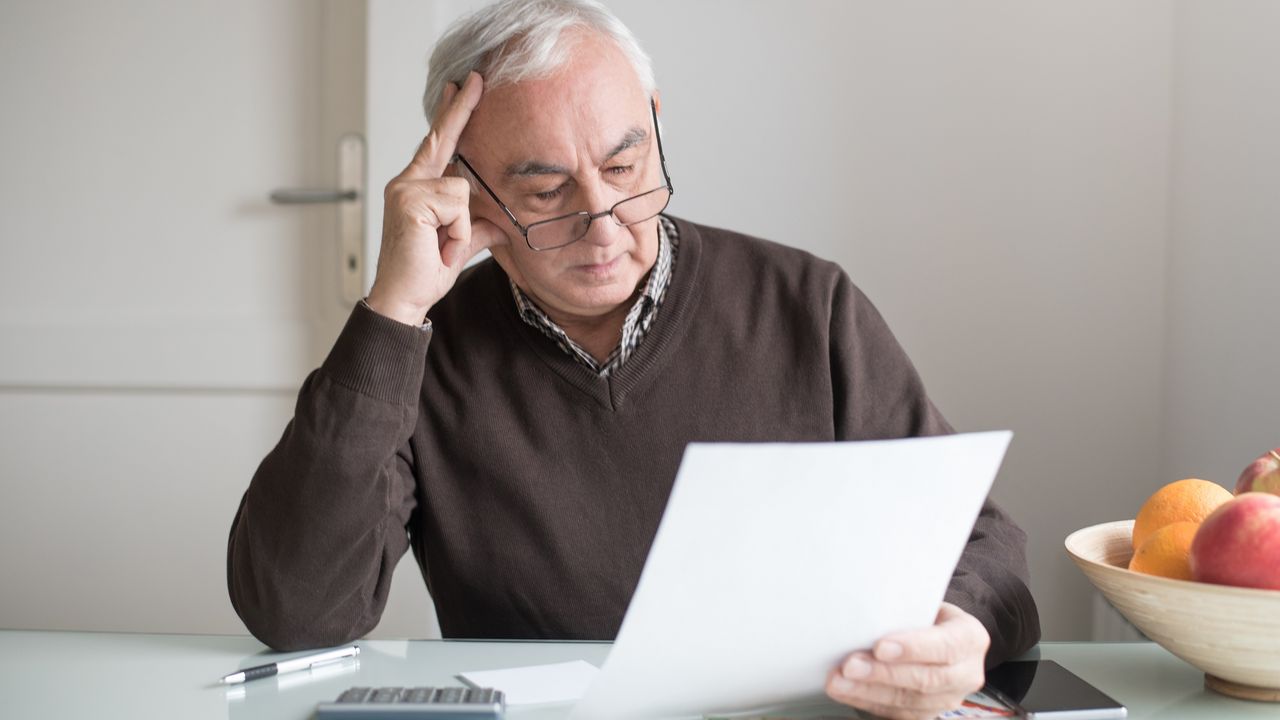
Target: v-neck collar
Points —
{"points": [[647, 359], [636, 322]]}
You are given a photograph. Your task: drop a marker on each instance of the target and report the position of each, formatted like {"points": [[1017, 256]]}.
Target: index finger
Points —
{"points": [[438, 147]]}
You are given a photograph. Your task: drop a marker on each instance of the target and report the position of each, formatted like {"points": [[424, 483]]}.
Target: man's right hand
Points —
{"points": [[427, 231]]}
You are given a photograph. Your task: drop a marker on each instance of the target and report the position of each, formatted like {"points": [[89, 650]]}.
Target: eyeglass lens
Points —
{"points": [[566, 230]]}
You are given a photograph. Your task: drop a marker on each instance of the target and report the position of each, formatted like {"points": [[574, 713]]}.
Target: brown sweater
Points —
{"points": [[530, 489]]}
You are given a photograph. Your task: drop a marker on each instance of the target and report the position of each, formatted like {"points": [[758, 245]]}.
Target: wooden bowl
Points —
{"points": [[1231, 633]]}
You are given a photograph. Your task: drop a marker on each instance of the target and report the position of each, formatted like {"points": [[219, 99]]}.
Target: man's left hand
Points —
{"points": [[916, 674]]}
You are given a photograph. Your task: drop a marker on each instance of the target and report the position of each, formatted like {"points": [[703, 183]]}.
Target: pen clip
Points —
{"points": [[348, 654], [318, 663]]}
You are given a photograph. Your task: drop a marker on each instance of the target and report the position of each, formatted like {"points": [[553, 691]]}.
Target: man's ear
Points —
{"points": [[657, 101]]}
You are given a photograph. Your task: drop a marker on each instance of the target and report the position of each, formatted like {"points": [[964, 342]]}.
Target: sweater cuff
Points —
{"points": [[963, 600], [379, 357]]}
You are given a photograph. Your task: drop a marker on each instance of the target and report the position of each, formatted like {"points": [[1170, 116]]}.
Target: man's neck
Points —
{"points": [[599, 334]]}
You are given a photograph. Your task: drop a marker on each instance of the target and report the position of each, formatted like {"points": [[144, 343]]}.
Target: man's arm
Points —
{"points": [[322, 525], [988, 614], [879, 394], [991, 583]]}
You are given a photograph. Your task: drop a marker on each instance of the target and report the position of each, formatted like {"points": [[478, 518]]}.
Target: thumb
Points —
{"points": [[457, 251], [485, 235], [954, 636]]}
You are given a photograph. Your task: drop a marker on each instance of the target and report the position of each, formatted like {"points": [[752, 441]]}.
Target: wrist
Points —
{"points": [[407, 313]]}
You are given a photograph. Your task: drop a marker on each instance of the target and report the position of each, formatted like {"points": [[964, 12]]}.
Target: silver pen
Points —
{"points": [[284, 666]]}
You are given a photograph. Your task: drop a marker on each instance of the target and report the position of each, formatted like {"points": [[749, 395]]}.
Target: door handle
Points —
{"points": [[310, 196], [349, 197]]}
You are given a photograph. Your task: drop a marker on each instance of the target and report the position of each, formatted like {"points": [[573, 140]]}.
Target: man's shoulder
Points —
{"points": [[738, 256]]}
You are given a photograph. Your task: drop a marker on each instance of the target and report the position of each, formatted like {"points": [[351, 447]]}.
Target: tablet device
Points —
{"points": [[1044, 690]]}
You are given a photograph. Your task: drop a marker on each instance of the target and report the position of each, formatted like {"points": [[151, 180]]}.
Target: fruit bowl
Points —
{"points": [[1230, 633]]}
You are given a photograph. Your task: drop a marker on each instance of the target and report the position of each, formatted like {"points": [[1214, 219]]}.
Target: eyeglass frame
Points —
{"points": [[590, 217]]}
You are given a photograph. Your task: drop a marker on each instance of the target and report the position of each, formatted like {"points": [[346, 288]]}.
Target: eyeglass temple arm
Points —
{"points": [[662, 156], [457, 157]]}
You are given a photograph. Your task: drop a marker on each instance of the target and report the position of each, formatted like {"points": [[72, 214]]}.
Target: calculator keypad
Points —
{"points": [[405, 703]]}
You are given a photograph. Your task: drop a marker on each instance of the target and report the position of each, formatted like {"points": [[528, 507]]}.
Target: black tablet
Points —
{"points": [[1044, 690]]}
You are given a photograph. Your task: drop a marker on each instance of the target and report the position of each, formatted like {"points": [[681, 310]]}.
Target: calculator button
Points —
{"points": [[451, 695], [418, 695], [386, 695], [355, 695]]}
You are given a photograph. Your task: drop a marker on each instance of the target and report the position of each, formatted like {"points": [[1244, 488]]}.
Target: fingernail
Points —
{"points": [[856, 667], [888, 650]]}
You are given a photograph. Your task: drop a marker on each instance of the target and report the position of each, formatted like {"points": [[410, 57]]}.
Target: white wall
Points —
{"points": [[1222, 388]]}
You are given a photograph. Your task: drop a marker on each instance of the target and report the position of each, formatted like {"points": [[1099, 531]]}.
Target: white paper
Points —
{"points": [[774, 561], [558, 682]]}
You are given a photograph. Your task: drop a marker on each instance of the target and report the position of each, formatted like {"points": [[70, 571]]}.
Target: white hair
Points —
{"points": [[516, 40]]}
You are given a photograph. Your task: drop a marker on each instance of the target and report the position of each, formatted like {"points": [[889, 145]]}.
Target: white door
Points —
{"points": [[157, 312]]}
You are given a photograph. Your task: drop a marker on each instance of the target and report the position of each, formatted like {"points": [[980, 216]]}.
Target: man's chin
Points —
{"points": [[603, 289], [600, 301]]}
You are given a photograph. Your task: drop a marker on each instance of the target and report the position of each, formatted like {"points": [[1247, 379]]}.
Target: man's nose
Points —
{"points": [[604, 229]]}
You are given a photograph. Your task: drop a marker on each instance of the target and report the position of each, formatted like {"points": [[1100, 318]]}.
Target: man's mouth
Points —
{"points": [[600, 269]]}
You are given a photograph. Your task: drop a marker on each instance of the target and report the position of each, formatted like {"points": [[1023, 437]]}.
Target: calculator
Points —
{"points": [[414, 703]]}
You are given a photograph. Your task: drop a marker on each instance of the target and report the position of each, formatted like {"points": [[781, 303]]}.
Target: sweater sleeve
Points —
{"points": [[323, 523], [879, 395]]}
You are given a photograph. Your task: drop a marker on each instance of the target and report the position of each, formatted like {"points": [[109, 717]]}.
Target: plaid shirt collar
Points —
{"points": [[639, 317]]}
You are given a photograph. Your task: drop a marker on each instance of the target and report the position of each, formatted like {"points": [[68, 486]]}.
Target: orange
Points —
{"points": [[1189, 500], [1167, 552]]}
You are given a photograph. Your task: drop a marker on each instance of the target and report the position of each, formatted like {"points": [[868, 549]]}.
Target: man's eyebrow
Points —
{"points": [[634, 137], [534, 168]]}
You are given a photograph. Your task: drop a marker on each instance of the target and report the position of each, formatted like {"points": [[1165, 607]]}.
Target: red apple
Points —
{"points": [[1263, 475], [1239, 544]]}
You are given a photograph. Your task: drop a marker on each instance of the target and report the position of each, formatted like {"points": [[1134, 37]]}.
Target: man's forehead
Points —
{"points": [[593, 109], [534, 164]]}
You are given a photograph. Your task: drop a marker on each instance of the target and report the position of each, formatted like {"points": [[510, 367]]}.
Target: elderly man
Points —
{"points": [[519, 423]]}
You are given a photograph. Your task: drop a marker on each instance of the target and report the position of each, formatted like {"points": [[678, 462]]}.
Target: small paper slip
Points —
{"points": [[559, 682]]}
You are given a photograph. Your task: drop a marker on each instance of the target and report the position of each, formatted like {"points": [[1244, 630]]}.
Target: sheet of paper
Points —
{"points": [[774, 561], [558, 682]]}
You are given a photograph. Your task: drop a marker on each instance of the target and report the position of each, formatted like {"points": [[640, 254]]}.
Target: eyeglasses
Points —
{"points": [[558, 232]]}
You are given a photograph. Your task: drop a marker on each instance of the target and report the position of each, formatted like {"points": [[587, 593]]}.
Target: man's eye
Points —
{"points": [[620, 169], [549, 195]]}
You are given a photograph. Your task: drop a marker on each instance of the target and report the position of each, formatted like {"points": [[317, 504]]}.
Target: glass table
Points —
{"points": [[116, 675]]}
